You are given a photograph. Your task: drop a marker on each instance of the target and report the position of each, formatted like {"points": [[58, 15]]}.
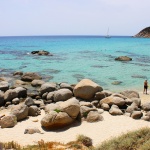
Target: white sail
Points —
{"points": [[107, 36]]}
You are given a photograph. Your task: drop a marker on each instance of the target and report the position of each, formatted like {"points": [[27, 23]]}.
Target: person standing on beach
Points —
{"points": [[145, 86]]}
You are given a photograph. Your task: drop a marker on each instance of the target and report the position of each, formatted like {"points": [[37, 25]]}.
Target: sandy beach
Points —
{"points": [[100, 131]]}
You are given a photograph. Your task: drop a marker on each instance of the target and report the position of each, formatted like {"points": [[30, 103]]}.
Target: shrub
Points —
{"points": [[84, 140], [57, 110]]}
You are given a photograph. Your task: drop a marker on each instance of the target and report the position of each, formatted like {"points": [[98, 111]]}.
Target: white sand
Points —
{"points": [[111, 126]]}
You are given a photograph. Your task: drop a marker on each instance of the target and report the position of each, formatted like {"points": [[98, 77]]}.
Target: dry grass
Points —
{"points": [[135, 140]]}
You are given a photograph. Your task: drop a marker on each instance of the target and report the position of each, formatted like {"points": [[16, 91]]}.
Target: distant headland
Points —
{"points": [[145, 33]]}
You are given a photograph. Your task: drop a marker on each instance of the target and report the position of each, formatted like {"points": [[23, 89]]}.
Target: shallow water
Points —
{"points": [[78, 57]]}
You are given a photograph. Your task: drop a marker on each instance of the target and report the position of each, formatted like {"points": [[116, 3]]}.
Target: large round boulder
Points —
{"points": [[10, 94], [8, 121], [47, 87], [4, 86], [112, 100], [86, 89], [30, 76], [56, 120], [71, 107], [62, 95], [20, 111]]}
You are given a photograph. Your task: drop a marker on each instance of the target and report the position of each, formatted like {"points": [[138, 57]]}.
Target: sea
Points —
{"points": [[78, 57]]}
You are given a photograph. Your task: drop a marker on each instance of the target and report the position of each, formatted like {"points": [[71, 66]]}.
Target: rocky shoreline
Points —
{"points": [[63, 103]]}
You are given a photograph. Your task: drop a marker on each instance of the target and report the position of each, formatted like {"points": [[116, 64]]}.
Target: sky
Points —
{"points": [[73, 17]]}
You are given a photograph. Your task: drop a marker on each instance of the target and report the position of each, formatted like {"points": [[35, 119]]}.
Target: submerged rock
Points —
{"points": [[123, 58], [41, 52], [30, 76], [116, 82]]}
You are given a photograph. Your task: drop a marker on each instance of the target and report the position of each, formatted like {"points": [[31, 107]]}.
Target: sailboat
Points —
{"points": [[108, 36]]}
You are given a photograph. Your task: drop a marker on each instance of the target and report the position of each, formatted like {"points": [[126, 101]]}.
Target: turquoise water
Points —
{"points": [[78, 57]]}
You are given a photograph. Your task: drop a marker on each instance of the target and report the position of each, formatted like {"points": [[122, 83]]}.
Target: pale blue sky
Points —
{"points": [[73, 17]]}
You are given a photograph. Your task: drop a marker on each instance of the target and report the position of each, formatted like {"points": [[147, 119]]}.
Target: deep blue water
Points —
{"points": [[78, 57]]}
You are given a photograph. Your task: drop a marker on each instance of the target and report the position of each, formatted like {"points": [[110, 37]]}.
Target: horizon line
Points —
{"points": [[65, 35]]}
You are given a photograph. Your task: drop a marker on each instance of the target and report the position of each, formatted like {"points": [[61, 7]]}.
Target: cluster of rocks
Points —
{"points": [[41, 52], [63, 103]]}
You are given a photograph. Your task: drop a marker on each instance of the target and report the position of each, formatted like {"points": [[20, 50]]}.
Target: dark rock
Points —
{"points": [[22, 92], [7, 104], [41, 52], [145, 33], [1, 99]]}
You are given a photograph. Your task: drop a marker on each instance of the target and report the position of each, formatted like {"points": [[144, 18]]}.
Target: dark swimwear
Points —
{"points": [[145, 87]]}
